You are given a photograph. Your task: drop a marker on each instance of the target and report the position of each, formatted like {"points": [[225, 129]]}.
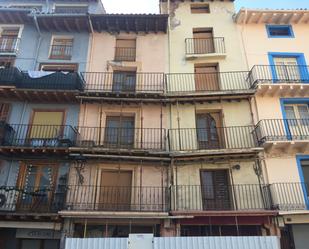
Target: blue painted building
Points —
{"points": [[43, 47]]}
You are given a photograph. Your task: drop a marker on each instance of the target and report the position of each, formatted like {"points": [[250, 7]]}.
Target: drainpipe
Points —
{"points": [[90, 49], [242, 39], [39, 42], [169, 53]]}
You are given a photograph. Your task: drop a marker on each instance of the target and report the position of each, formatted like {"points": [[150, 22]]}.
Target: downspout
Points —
{"points": [[89, 67], [39, 42], [169, 54], [242, 39]]}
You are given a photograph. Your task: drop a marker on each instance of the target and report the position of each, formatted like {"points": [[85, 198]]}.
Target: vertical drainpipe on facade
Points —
{"points": [[39, 42], [169, 53]]}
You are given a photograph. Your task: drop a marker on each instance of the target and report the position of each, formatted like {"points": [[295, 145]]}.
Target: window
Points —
{"points": [[119, 131], [125, 50], [288, 67], [6, 62], [200, 8], [280, 31], [9, 39], [124, 81], [61, 48], [297, 114], [203, 41], [4, 111], [78, 9]]}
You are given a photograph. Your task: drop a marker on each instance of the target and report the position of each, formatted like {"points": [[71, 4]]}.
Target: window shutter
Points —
{"points": [[4, 111]]}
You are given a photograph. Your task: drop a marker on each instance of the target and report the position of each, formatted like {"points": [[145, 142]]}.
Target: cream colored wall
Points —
{"points": [[257, 44], [90, 115], [245, 182], [233, 114], [150, 52], [153, 178], [220, 19]]}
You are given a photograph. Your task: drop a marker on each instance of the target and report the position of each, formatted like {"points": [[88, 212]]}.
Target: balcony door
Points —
{"points": [[115, 190], [297, 123], [46, 127], [9, 39], [215, 190], [209, 136], [203, 41], [206, 77], [124, 81], [287, 69], [37, 183], [119, 131]]}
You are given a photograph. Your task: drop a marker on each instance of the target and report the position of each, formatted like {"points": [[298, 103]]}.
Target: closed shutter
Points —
{"points": [[215, 190], [46, 124], [4, 111]]}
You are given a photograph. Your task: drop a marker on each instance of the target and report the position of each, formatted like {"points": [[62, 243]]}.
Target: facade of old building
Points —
{"points": [[187, 123]]}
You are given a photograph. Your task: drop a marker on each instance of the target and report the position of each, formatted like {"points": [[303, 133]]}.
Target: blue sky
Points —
{"points": [[151, 6]]}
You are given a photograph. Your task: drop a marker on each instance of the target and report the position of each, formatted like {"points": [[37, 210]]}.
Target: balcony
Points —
{"points": [[125, 54], [119, 199], [282, 133], [129, 83], [290, 196], [208, 83], [280, 80], [110, 138], [27, 138], [205, 48], [39, 85], [241, 197], [31, 199], [9, 45], [61, 52], [228, 139]]}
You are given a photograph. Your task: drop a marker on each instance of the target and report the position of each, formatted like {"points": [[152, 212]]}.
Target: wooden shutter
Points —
{"points": [[215, 189], [4, 111], [125, 43]]}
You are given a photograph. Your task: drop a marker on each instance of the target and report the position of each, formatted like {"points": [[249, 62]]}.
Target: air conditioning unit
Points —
{"points": [[8, 199]]}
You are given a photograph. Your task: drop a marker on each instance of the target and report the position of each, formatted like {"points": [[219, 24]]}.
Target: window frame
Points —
{"points": [[289, 27], [198, 8]]}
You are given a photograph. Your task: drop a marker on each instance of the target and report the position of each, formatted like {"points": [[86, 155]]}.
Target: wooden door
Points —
{"points": [[37, 182], [203, 41], [209, 130], [215, 190], [115, 190], [206, 78]]}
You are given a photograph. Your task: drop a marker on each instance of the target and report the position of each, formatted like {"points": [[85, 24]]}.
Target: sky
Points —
{"points": [[151, 6]]}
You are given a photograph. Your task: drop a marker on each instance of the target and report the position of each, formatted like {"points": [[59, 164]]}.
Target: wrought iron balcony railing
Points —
{"points": [[270, 130], [207, 82], [61, 52], [283, 74], [125, 54], [30, 199], [124, 82], [222, 197], [122, 198], [196, 46], [193, 139], [9, 45], [36, 136], [290, 196], [122, 138]]}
